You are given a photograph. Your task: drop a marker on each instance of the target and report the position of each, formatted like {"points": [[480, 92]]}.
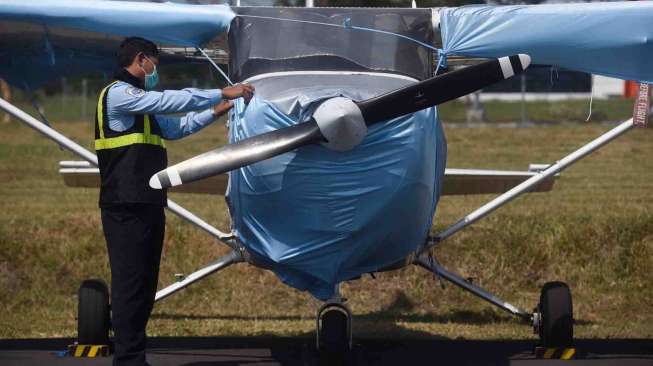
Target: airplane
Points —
{"points": [[342, 133]]}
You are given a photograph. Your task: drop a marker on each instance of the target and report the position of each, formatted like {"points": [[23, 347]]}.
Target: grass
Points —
{"points": [[594, 231], [603, 110], [70, 109]]}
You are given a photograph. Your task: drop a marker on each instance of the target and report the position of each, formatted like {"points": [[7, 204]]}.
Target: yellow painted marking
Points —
{"points": [[568, 353], [93, 351], [549, 352], [79, 351]]}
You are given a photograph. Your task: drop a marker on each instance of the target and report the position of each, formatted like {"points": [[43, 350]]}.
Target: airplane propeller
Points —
{"points": [[340, 123]]}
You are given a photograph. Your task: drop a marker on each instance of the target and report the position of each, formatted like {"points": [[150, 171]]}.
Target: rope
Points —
{"points": [[216, 66], [442, 58], [347, 25]]}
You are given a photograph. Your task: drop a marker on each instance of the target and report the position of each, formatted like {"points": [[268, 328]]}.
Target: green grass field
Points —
{"points": [[603, 110], [594, 231]]}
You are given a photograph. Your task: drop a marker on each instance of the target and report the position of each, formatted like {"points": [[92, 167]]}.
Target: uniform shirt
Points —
{"points": [[125, 100]]}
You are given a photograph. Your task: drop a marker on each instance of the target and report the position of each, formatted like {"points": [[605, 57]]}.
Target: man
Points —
{"points": [[129, 132]]}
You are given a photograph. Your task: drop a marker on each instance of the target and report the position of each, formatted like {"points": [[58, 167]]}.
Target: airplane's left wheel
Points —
{"points": [[556, 322], [93, 313]]}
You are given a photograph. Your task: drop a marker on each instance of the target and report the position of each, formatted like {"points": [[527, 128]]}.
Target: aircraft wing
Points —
{"points": [[42, 40], [47, 39], [456, 181], [607, 38]]}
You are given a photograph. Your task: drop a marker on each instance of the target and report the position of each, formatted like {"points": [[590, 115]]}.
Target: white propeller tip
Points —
{"points": [[525, 60], [155, 182]]}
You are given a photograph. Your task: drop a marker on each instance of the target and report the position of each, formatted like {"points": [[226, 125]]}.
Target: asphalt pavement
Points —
{"points": [[208, 351]]}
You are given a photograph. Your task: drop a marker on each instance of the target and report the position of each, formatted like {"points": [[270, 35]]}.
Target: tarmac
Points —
{"points": [[208, 351]]}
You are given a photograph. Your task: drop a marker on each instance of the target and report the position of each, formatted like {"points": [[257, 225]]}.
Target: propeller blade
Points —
{"points": [[440, 89], [236, 155], [428, 93]]}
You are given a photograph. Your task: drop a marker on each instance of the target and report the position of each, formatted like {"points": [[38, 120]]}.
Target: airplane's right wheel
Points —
{"points": [[93, 313], [556, 328]]}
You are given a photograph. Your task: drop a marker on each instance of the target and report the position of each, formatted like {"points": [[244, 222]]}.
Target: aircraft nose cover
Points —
{"points": [[318, 216]]}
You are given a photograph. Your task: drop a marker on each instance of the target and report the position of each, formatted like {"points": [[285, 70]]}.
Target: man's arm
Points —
{"points": [[125, 98], [173, 128]]}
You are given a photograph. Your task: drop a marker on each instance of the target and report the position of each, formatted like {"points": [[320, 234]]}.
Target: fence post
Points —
{"points": [[64, 93], [84, 97], [523, 99]]}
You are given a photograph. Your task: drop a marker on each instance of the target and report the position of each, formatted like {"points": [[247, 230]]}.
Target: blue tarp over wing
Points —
{"points": [[177, 24], [612, 39], [45, 39]]}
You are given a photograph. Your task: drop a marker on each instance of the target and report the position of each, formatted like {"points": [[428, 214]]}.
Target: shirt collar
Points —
{"points": [[127, 77]]}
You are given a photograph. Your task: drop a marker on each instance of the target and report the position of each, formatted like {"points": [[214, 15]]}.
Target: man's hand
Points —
{"points": [[239, 90], [222, 108]]}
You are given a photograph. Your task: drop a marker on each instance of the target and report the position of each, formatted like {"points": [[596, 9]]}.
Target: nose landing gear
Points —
{"points": [[334, 338]]}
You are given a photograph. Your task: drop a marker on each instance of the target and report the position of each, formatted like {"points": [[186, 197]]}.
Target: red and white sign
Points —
{"points": [[642, 105]]}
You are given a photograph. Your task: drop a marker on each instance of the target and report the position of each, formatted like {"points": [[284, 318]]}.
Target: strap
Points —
{"points": [[146, 125], [100, 109], [125, 140]]}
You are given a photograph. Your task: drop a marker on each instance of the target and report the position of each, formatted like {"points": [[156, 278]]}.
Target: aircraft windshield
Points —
{"points": [[262, 45]]}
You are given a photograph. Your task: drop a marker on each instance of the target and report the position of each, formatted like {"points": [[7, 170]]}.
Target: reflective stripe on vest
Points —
{"points": [[125, 140]]}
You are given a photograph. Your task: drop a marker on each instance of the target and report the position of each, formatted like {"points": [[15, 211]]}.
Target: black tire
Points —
{"points": [[334, 337], [556, 309], [93, 313]]}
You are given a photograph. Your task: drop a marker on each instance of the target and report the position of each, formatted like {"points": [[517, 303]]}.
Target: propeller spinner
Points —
{"points": [[341, 124]]}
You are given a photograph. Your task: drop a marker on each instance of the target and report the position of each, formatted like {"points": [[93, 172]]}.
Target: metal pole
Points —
{"points": [[523, 99], [84, 97], [195, 220], [424, 262], [64, 93], [224, 262], [92, 158], [531, 182]]}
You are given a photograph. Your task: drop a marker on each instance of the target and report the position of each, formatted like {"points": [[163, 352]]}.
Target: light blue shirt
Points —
{"points": [[125, 100]]}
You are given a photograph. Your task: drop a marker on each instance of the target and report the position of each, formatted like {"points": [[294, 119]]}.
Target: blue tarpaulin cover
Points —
{"points": [[612, 39], [169, 23], [319, 217], [41, 40]]}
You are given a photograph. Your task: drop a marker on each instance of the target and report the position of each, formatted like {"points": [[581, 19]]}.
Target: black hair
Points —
{"points": [[132, 46]]}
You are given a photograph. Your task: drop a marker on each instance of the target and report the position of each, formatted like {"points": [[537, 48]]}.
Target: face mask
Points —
{"points": [[152, 79]]}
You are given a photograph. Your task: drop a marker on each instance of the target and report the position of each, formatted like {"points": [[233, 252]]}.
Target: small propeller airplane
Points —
{"points": [[342, 133]]}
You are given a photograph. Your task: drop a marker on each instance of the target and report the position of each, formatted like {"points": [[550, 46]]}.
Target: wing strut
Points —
{"points": [[531, 183], [85, 154]]}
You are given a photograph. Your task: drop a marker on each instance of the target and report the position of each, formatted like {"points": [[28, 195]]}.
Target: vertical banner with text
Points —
{"points": [[642, 105]]}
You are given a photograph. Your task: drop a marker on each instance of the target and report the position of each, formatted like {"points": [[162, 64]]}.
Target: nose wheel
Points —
{"points": [[334, 339], [553, 318]]}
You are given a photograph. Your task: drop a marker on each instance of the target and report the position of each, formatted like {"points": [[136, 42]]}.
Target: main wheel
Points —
{"points": [[93, 313], [556, 315]]}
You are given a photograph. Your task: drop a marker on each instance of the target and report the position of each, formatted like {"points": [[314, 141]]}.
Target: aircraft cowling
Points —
{"points": [[316, 216]]}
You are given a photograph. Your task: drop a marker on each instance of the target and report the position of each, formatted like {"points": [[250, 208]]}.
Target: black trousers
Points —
{"points": [[134, 235]]}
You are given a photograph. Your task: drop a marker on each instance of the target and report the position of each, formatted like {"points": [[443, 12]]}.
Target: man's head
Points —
{"points": [[140, 57]]}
